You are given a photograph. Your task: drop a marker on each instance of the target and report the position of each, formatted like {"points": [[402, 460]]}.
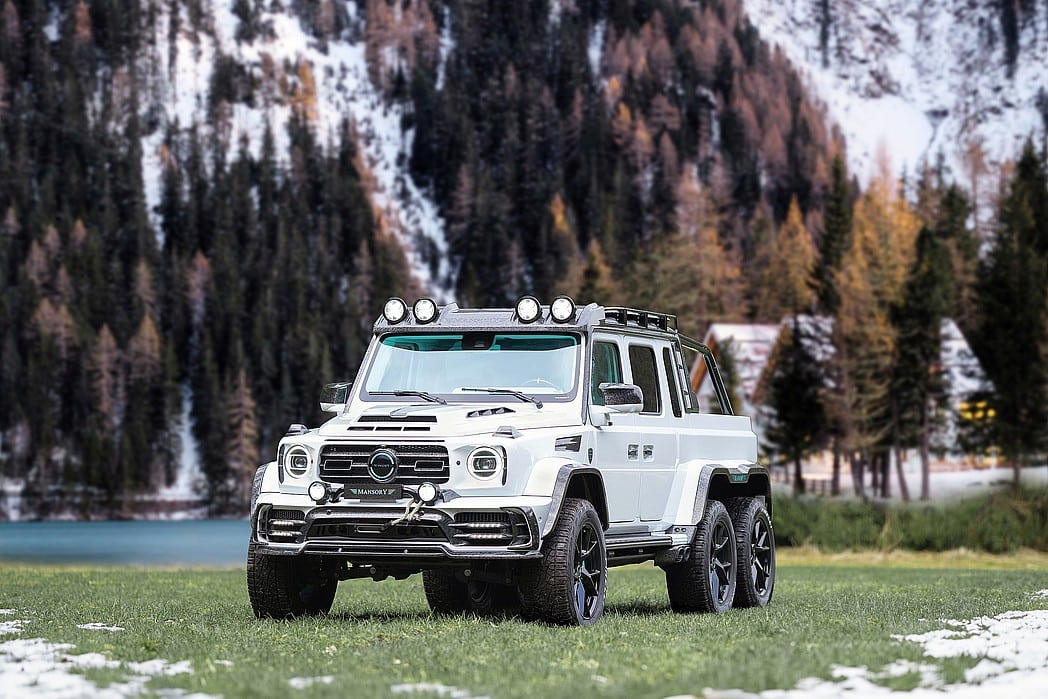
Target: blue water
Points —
{"points": [[216, 542]]}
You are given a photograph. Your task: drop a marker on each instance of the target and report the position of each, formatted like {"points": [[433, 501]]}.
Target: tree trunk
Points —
{"points": [[886, 473], [858, 473], [904, 488], [798, 477], [875, 473], [925, 462], [835, 488]]}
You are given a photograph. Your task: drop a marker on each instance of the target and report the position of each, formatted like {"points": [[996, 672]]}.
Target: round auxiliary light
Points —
{"points": [[318, 491], [395, 310], [427, 493], [425, 310], [484, 463], [297, 461], [562, 309], [528, 309]]}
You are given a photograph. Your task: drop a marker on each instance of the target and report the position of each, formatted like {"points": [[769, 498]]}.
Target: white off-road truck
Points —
{"points": [[512, 456]]}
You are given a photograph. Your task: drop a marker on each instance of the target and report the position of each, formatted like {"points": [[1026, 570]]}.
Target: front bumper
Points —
{"points": [[489, 529]]}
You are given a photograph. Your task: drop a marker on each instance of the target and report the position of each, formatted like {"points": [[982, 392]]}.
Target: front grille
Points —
{"points": [[282, 526], [503, 528], [345, 463]]}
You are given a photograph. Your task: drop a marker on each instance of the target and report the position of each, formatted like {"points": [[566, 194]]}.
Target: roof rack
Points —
{"points": [[639, 318]]}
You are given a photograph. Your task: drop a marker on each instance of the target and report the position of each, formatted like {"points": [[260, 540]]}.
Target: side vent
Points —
{"points": [[572, 443]]}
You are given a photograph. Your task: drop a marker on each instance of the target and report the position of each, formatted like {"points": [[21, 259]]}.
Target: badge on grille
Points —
{"points": [[382, 465]]}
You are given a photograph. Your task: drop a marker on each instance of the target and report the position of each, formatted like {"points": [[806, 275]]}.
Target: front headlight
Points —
{"points": [[485, 463], [297, 461]]}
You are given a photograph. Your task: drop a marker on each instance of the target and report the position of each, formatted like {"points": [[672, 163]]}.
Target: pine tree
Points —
{"points": [[787, 284], [1011, 294], [795, 393], [836, 235], [242, 428]]}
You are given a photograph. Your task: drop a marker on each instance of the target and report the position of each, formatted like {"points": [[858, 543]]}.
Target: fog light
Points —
{"points": [[425, 310], [528, 309], [318, 492], [428, 493], [395, 310], [562, 309]]}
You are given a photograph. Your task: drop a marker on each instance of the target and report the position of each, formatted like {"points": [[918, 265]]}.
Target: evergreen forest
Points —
{"points": [[684, 168]]}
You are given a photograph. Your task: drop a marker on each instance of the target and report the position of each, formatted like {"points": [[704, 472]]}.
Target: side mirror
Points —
{"points": [[622, 397], [334, 396]]}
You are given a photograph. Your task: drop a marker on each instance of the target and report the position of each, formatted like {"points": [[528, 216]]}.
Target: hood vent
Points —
{"points": [[397, 418], [390, 423], [486, 412]]}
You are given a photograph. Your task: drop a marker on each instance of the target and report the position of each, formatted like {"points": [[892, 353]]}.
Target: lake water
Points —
{"points": [[216, 542]]}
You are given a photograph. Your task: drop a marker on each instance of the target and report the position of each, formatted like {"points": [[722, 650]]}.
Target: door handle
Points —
{"points": [[649, 452]]}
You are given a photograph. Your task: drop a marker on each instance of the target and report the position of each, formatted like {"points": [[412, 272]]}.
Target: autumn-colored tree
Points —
{"points": [[787, 284], [107, 380]]}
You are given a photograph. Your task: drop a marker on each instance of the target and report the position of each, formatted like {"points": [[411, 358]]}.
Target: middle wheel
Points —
{"points": [[705, 582]]}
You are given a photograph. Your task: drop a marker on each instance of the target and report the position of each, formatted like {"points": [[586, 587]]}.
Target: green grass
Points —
{"points": [[379, 635]]}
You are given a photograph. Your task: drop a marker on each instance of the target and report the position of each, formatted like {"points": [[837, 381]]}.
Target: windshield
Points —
{"points": [[454, 365]]}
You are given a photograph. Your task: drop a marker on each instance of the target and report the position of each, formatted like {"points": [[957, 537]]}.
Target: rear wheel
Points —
{"points": [[569, 584], [705, 582], [755, 542], [285, 587]]}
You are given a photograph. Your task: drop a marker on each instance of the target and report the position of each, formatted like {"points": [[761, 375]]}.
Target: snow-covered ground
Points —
{"points": [[1011, 648], [922, 77]]}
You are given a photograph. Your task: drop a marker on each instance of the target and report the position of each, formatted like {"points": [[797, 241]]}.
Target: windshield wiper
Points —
{"points": [[508, 392], [421, 394]]}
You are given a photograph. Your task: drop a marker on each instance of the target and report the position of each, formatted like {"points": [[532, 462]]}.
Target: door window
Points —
{"points": [[646, 375], [607, 368]]}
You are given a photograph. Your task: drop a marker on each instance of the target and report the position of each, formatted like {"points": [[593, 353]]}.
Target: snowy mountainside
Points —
{"points": [[293, 66], [925, 77]]}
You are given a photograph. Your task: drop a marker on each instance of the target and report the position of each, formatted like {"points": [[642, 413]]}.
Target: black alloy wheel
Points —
{"points": [[589, 572], [756, 552], [705, 581]]}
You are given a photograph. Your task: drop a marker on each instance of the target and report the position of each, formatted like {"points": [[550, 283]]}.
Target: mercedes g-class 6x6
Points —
{"points": [[512, 456]]}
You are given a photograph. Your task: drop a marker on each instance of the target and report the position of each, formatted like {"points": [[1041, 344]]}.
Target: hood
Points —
{"points": [[421, 420]]}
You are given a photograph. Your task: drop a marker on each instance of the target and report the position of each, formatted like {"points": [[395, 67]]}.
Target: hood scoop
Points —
{"points": [[393, 423], [487, 412]]}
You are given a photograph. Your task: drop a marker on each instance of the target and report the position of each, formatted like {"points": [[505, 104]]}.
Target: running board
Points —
{"points": [[625, 550]]}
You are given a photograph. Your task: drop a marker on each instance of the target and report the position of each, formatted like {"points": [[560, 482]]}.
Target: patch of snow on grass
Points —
{"points": [[43, 669], [11, 626], [1041, 593], [441, 690], [306, 682], [1012, 648], [99, 626], [7, 611]]}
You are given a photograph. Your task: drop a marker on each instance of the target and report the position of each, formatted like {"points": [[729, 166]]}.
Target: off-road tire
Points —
{"points": [[447, 595], [697, 584], [755, 542], [285, 587], [549, 589]]}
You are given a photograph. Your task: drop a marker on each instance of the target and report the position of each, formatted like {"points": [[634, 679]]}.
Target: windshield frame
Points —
{"points": [[473, 397]]}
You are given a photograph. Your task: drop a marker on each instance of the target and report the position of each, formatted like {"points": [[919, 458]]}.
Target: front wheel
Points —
{"points": [[285, 587], [705, 582], [755, 543], [569, 585]]}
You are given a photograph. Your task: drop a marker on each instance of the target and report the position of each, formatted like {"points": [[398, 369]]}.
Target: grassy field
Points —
{"points": [[827, 610]]}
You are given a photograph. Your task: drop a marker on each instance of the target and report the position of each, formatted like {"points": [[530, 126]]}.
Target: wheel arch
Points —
{"points": [[577, 481], [717, 482]]}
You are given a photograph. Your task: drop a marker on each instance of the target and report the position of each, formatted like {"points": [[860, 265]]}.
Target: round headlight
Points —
{"points": [[427, 493], [562, 309], [425, 310], [318, 491], [296, 461], [528, 309], [395, 310], [484, 463]]}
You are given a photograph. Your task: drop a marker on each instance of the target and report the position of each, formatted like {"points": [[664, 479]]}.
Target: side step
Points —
{"points": [[623, 550]]}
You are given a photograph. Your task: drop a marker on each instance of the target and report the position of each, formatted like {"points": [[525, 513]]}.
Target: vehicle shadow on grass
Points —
{"points": [[638, 609]]}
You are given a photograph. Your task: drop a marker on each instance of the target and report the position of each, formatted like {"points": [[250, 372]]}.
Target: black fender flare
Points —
{"points": [[718, 482], [578, 480]]}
